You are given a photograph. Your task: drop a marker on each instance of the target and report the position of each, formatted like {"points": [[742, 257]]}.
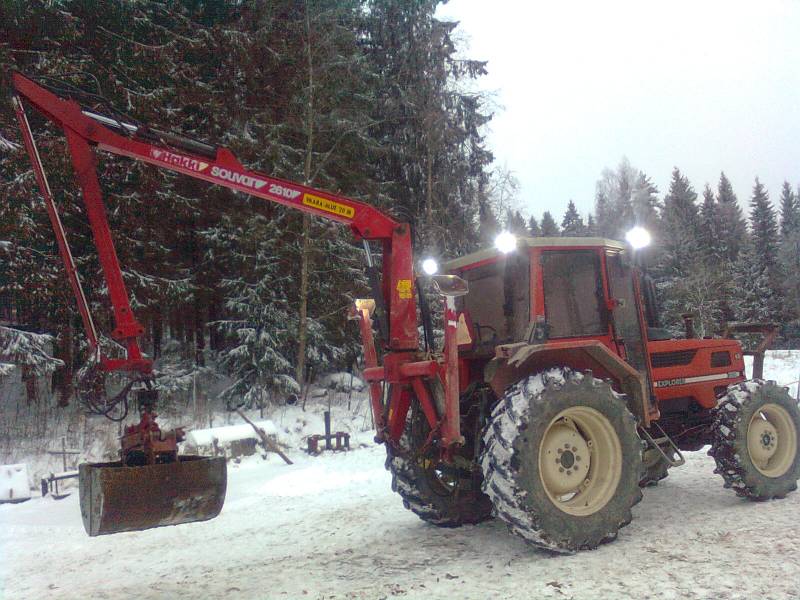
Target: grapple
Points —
{"points": [[116, 498], [152, 486]]}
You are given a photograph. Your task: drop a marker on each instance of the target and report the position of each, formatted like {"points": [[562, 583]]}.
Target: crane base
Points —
{"points": [[116, 498]]}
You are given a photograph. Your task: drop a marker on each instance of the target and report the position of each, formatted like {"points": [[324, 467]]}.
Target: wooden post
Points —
{"points": [[265, 441]]}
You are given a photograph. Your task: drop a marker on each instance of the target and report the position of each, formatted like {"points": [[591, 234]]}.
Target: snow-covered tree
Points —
{"points": [[731, 227], [707, 228], [764, 226], [515, 223], [790, 210], [549, 225], [533, 227], [680, 223], [572, 223]]}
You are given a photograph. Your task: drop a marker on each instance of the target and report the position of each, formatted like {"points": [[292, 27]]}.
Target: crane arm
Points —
{"points": [[86, 130]]}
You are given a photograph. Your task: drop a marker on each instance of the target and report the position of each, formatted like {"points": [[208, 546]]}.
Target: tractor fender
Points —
{"points": [[513, 362]]}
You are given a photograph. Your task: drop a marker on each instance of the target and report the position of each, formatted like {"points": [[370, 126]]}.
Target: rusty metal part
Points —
{"points": [[116, 498], [341, 439], [768, 331]]}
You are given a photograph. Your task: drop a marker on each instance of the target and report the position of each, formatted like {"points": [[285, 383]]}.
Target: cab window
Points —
{"points": [[498, 301], [573, 294]]}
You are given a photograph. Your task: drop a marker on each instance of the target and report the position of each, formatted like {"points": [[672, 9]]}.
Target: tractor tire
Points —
{"points": [[756, 436], [439, 498], [656, 468], [548, 429]]}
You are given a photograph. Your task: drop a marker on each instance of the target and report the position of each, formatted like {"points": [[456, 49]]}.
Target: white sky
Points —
{"points": [[705, 85]]}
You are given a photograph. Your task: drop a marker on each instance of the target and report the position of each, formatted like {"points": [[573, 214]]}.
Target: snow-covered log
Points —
{"points": [[14, 483]]}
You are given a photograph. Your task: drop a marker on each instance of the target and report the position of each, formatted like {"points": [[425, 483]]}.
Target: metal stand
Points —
{"points": [[341, 439]]}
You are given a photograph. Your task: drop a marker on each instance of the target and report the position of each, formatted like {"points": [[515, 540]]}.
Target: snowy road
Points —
{"points": [[330, 527]]}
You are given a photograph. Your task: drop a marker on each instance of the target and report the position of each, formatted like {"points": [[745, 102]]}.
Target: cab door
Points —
{"points": [[627, 319]]}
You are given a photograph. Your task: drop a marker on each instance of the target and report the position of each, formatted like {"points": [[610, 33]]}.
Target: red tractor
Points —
{"points": [[554, 399]]}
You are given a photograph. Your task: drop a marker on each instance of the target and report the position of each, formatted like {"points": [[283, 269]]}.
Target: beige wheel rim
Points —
{"points": [[772, 440], [580, 461]]}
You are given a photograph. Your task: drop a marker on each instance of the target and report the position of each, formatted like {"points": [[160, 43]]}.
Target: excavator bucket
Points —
{"points": [[116, 498]]}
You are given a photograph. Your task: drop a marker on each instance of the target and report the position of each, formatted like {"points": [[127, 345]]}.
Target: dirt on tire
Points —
{"points": [[509, 461], [729, 447], [416, 477]]}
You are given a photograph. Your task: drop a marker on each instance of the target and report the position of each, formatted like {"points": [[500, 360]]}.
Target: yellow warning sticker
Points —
{"points": [[330, 206], [404, 289]]}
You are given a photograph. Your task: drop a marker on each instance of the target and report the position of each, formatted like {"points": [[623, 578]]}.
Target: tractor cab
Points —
{"points": [[564, 293], [547, 290]]}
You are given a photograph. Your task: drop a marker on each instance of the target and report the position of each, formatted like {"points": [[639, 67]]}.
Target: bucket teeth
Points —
{"points": [[116, 498]]}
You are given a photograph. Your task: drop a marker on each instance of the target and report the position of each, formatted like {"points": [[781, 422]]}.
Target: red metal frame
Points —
{"points": [[85, 131]]}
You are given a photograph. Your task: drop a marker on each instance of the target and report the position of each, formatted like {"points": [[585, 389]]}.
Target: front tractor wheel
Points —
{"points": [[563, 461], [755, 440]]}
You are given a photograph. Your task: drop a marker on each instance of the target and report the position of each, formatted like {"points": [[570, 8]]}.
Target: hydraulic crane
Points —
{"points": [[556, 394]]}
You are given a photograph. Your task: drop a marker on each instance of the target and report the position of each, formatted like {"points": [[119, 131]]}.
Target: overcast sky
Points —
{"points": [[704, 85]]}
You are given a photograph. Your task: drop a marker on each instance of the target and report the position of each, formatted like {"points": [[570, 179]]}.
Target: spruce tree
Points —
{"points": [[790, 253], [731, 227], [437, 168], [533, 227], [790, 210], [572, 223], [515, 223], [765, 267], [708, 241], [755, 299], [680, 222], [645, 203], [591, 226], [603, 215], [549, 225], [764, 226]]}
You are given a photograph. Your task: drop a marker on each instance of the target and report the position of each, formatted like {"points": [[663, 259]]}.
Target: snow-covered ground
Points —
{"points": [[330, 527]]}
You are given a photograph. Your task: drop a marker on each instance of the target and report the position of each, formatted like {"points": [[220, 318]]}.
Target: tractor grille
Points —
{"points": [[672, 359]]}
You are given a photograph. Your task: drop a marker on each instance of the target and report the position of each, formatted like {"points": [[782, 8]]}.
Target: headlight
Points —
{"points": [[505, 242]]}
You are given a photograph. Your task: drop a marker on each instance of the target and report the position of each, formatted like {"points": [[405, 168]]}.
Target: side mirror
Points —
{"points": [[451, 286]]}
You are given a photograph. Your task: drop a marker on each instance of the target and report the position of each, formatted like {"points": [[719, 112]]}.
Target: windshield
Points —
{"points": [[498, 302]]}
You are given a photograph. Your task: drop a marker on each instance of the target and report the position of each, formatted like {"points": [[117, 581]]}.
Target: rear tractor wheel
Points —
{"points": [[563, 461], [444, 495], [756, 440]]}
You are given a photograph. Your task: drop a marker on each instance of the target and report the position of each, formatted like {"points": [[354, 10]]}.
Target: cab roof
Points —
{"points": [[534, 242]]}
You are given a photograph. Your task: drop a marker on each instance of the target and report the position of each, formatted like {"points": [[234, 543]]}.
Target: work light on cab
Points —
{"points": [[505, 242], [430, 266], [638, 238]]}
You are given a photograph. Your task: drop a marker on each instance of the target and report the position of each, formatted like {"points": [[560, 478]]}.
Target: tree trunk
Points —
{"points": [[302, 332], [302, 329]]}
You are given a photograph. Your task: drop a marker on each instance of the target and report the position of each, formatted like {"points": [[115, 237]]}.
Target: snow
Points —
{"points": [[342, 382], [14, 483], [228, 434], [330, 527]]}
